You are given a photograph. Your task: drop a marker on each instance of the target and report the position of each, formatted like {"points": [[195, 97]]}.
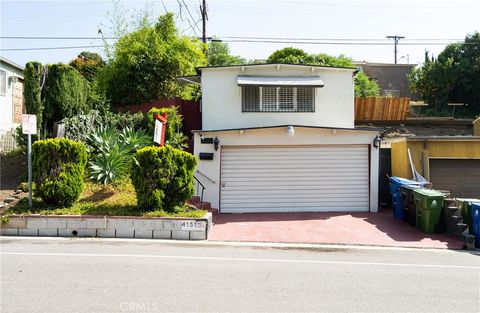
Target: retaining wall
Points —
{"points": [[108, 227]]}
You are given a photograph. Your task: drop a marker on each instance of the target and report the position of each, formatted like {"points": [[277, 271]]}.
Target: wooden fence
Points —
{"points": [[381, 109]]}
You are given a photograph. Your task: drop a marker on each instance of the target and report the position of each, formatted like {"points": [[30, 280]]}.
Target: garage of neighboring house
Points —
{"points": [[450, 162], [460, 176], [317, 170]]}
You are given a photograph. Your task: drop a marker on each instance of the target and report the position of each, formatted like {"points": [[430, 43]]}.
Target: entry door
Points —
{"points": [[294, 179]]}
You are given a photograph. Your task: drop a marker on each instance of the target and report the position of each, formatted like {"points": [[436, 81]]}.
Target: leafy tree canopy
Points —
{"points": [[219, 55], [364, 86], [146, 63], [453, 77], [88, 64]]}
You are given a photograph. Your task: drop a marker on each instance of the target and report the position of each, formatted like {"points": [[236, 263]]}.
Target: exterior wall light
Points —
{"points": [[216, 142], [290, 131], [377, 141]]}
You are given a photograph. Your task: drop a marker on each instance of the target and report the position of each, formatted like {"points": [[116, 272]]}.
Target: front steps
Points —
{"points": [[206, 206], [453, 220]]}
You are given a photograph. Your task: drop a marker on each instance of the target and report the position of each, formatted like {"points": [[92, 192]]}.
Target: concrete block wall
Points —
{"points": [[108, 227]]}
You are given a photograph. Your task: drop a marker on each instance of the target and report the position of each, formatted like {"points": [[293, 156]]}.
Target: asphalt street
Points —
{"points": [[95, 275]]}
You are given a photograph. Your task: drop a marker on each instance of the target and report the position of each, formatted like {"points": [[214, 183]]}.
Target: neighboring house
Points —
{"points": [[449, 162], [11, 95], [392, 78], [281, 138]]}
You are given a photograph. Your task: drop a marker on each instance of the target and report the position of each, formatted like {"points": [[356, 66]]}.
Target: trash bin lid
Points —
{"points": [[411, 187], [403, 181], [428, 192], [471, 200], [476, 205]]}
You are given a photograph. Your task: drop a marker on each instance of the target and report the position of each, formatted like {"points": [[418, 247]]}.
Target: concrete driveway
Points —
{"points": [[327, 228]]}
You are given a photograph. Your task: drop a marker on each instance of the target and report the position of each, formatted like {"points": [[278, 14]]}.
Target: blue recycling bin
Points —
{"points": [[397, 198], [475, 214]]}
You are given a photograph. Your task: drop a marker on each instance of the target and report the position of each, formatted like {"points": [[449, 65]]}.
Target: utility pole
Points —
{"points": [[203, 10], [396, 39]]}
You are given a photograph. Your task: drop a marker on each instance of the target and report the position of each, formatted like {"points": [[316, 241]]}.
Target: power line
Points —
{"points": [[49, 48], [338, 39], [189, 13], [54, 37], [341, 43], [423, 40]]}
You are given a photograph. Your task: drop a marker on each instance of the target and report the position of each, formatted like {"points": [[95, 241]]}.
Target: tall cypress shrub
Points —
{"points": [[65, 93], [32, 76]]}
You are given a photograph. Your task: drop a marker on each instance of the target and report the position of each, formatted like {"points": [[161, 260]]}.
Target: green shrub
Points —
{"points": [[173, 132], [163, 177], [65, 94], [58, 170]]}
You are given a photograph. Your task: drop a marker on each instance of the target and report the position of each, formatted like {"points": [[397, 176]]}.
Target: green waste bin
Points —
{"points": [[428, 204], [465, 206]]}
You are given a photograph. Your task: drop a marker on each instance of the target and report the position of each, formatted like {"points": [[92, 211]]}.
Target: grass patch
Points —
{"points": [[118, 199]]}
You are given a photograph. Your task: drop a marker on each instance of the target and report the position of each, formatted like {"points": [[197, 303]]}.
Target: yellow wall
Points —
{"points": [[476, 127], [429, 148]]}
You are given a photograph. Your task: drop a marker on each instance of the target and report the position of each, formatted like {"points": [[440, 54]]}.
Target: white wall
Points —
{"points": [[6, 101], [278, 136], [222, 98]]}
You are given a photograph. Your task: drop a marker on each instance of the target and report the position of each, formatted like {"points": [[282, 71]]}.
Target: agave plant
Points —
{"points": [[135, 139], [113, 151], [107, 167]]}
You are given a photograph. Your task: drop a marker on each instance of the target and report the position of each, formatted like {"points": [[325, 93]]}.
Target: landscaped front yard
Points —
{"points": [[117, 199]]}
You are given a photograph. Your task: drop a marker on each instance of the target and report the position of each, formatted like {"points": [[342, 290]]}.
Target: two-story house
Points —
{"points": [[281, 138]]}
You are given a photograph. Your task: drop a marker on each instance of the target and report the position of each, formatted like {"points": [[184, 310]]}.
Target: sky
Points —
{"points": [[334, 24]]}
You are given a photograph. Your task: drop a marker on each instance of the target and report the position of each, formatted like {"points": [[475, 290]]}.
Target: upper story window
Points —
{"points": [[3, 82], [278, 99]]}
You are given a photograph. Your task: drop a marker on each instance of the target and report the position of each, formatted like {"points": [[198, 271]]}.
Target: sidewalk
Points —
{"points": [[377, 229]]}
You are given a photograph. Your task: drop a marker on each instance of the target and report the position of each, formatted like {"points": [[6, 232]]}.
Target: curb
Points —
{"points": [[327, 247]]}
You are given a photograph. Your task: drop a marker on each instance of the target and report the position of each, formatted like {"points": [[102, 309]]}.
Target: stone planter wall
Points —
{"points": [[108, 227]]}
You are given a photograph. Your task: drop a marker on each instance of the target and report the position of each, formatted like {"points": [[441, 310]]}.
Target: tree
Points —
{"points": [[147, 62], [453, 77], [219, 55], [64, 94], [32, 92], [91, 66], [88, 64], [364, 86]]}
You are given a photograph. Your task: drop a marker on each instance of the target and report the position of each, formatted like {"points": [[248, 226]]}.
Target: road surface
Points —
{"points": [[95, 275]]}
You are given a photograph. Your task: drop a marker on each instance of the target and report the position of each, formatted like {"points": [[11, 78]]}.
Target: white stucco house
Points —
{"points": [[281, 138], [11, 95]]}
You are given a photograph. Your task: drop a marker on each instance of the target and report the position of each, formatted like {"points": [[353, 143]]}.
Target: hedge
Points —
{"points": [[163, 177], [58, 170]]}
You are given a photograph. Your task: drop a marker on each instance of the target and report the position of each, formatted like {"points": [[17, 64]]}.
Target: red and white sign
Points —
{"points": [[159, 133], [29, 124]]}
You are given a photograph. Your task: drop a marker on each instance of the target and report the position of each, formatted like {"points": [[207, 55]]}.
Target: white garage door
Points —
{"points": [[294, 179]]}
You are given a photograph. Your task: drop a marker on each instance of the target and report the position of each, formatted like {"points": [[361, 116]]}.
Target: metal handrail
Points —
{"points": [[208, 178], [199, 184]]}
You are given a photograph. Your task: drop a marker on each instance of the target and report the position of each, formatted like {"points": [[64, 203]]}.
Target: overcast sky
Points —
{"points": [[422, 22]]}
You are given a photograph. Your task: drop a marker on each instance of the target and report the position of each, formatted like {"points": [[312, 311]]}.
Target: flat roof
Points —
{"points": [[277, 64], [293, 125]]}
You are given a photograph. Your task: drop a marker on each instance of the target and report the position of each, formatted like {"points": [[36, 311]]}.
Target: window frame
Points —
{"points": [[277, 99], [3, 82]]}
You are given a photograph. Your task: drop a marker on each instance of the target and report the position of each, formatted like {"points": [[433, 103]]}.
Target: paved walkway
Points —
{"points": [[327, 228]]}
